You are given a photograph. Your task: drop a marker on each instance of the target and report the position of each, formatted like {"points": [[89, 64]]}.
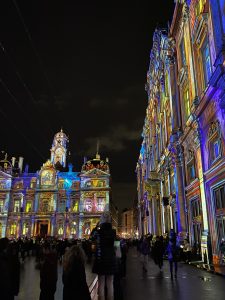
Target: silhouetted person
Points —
{"points": [[105, 259], [74, 277], [173, 253], [48, 273], [158, 251]]}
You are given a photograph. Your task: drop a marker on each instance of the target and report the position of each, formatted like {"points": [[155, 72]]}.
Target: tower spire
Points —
{"points": [[97, 150]]}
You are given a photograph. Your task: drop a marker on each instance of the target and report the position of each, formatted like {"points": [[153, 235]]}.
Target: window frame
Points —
{"points": [[206, 76]]}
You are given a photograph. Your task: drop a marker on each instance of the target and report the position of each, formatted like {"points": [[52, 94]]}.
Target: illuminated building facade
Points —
{"points": [[181, 167], [54, 201]]}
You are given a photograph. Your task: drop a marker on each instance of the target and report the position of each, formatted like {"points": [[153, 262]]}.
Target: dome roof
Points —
{"points": [[61, 135]]}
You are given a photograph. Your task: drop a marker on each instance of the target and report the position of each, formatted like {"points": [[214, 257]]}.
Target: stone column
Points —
{"points": [[199, 160]]}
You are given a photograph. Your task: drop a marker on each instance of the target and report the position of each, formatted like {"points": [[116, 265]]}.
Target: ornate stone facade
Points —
{"points": [[184, 135], [54, 201]]}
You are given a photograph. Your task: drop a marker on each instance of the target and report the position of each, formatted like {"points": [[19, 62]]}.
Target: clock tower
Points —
{"points": [[58, 150]]}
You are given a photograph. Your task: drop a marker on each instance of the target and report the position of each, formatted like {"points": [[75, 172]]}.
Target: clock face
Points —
{"points": [[59, 141]]}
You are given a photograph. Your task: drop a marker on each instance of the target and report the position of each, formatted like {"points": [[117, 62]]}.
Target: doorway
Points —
{"points": [[43, 230]]}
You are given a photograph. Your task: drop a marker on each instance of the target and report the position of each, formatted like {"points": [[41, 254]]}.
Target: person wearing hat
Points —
{"points": [[105, 259]]}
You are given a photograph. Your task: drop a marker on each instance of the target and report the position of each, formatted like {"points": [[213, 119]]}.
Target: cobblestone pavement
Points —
{"points": [[190, 284]]}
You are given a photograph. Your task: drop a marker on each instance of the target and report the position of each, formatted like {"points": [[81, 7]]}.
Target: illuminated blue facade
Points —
{"points": [[54, 201]]}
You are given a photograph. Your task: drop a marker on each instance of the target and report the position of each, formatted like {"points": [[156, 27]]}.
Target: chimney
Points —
{"points": [[107, 159], [13, 161], [85, 159], [20, 164]]}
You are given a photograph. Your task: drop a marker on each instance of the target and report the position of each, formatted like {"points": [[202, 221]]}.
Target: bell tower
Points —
{"points": [[59, 149]]}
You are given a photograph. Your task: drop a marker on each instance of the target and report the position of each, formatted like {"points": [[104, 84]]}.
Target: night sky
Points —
{"points": [[79, 65]]}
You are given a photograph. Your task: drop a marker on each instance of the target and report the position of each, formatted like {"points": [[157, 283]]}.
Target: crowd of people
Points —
{"points": [[104, 251], [164, 247]]}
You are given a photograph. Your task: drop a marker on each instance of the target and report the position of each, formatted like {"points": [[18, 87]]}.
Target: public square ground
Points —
{"points": [[191, 283]]}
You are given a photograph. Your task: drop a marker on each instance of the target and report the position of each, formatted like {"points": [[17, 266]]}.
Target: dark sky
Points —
{"points": [[81, 65]]}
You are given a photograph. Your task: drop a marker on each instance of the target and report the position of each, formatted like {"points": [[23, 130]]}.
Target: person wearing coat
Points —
{"points": [[48, 273], [173, 254], [105, 258], [158, 251], [74, 276]]}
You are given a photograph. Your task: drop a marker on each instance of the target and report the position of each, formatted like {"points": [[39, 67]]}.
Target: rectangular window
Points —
{"points": [[16, 206], [216, 147], [219, 198], [196, 209], [182, 54], [186, 103], [206, 61], [28, 206], [100, 204], [192, 172], [13, 229], [215, 150], [75, 206], [45, 206], [1, 206]]}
